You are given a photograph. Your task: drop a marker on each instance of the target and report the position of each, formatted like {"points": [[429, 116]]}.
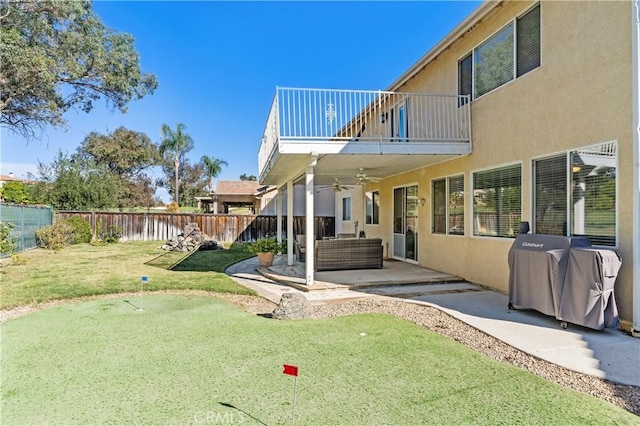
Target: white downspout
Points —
{"points": [[635, 208], [290, 234], [309, 221]]}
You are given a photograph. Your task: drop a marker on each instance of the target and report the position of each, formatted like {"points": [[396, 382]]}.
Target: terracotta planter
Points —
{"points": [[265, 259]]}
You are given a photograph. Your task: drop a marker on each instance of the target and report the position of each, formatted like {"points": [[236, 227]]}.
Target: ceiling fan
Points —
{"points": [[362, 178], [336, 186]]}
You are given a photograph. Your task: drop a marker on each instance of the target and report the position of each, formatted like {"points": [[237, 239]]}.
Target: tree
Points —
{"points": [[14, 192], [76, 183], [125, 152], [192, 180], [58, 55], [244, 176], [175, 144], [213, 167]]}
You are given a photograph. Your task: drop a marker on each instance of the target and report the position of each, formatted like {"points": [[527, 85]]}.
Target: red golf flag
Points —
{"points": [[291, 370]]}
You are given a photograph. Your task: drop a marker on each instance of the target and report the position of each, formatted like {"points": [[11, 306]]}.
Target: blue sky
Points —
{"points": [[218, 64]]}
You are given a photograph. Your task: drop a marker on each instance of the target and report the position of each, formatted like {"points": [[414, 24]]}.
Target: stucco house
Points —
{"points": [[525, 111]]}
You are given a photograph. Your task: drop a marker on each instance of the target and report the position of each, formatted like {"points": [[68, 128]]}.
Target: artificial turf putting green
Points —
{"points": [[189, 359]]}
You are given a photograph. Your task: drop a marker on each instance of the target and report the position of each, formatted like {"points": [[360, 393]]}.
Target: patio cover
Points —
{"points": [[587, 297]]}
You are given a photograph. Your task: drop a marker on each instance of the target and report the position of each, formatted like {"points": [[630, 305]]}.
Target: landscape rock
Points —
{"points": [[292, 306]]}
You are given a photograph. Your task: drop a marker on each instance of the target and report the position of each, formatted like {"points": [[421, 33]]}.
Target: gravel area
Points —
{"points": [[627, 397]]}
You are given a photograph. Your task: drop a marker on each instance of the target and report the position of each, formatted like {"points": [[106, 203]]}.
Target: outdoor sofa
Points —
{"points": [[348, 253]]}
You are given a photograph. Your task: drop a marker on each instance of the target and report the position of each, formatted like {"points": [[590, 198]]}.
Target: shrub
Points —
{"points": [[18, 259], [267, 245], [55, 236], [7, 243], [111, 234], [80, 230], [173, 208]]}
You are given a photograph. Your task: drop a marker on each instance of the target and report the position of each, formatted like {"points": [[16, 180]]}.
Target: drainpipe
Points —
{"points": [[635, 208], [309, 219]]}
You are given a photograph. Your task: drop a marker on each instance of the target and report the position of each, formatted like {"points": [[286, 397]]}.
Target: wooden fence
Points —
{"points": [[220, 227]]}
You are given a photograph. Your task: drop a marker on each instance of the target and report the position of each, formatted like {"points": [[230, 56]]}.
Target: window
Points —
{"points": [[346, 208], [493, 61], [575, 194], [465, 76], [372, 207], [497, 206], [528, 42], [510, 53], [448, 206], [456, 205], [439, 210]]}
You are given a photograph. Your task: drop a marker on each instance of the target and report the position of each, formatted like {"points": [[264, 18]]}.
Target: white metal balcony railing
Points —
{"points": [[316, 115]]}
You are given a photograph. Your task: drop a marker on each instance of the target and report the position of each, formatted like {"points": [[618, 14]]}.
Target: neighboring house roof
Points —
{"points": [[11, 178], [236, 187]]}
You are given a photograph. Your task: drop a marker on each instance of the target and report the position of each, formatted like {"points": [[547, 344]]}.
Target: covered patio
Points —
{"points": [[353, 138]]}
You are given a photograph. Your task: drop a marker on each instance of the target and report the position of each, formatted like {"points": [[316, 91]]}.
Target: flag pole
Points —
{"points": [[293, 411]]}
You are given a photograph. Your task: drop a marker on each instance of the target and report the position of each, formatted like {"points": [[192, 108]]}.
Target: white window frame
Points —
{"points": [[568, 176], [371, 201], [514, 22], [447, 191], [472, 178]]}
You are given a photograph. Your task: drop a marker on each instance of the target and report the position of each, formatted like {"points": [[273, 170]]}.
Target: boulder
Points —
{"points": [[292, 306]]}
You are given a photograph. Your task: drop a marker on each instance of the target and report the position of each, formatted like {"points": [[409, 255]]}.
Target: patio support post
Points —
{"points": [[635, 239], [309, 221], [290, 234]]}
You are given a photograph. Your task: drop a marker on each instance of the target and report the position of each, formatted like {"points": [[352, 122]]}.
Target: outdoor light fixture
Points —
{"points": [[576, 168], [422, 201], [383, 117]]}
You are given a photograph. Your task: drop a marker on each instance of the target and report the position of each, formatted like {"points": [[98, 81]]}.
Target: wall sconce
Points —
{"points": [[576, 168], [422, 201], [383, 117]]}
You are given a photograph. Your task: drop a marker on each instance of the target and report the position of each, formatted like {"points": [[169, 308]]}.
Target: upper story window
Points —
{"points": [[510, 53]]}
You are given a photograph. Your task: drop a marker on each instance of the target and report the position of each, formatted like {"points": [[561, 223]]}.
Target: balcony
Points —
{"points": [[360, 129]]}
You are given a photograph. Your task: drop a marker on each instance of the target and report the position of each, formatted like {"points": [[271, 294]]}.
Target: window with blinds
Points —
{"points": [[439, 207], [575, 194], [497, 201], [550, 195], [510, 53], [455, 211], [448, 205], [528, 42]]}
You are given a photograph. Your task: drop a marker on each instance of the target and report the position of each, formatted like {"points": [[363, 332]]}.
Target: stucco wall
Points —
{"points": [[579, 96]]}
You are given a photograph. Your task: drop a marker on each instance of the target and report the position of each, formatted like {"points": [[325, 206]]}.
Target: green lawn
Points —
{"points": [[85, 270], [197, 360]]}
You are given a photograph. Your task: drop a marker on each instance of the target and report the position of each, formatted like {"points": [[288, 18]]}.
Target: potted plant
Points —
{"points": [[266, 248]]}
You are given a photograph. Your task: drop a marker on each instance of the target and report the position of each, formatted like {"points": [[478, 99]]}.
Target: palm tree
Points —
{"points": [[213, 166], [175, 143]]}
